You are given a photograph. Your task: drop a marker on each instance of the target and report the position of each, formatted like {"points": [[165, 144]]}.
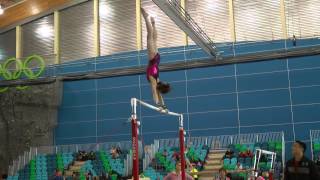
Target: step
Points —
{"points": [[213, 167], [217, 151], [207, 173], [215, 162], [68, 173], [216, 155], [75, 168], [206, 178], [79, 163]]}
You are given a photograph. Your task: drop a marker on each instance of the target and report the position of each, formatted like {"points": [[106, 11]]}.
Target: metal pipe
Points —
{"points": [[157, 108], [183, 161], [135, 151]]}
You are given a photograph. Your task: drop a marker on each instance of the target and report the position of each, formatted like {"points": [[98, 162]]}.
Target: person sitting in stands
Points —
{"points": [[118, 150], [176, 175], [229, 154], [165, 153], [175, 155], [194, 172], [58, 175], [114, 153], [89, 175], [104, 176], [200, 165], [92, 156], [246, 154], [222, 174]]}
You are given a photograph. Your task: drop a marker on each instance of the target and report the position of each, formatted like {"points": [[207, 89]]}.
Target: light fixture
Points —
{"points": [[1, 9], [44, 31]]}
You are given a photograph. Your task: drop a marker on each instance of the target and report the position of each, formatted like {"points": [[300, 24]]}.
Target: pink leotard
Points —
{"points": [[153, 67]]}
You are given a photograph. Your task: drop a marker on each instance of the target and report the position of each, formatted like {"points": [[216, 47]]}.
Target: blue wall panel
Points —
{"points": [[306, 95], [265, 116], [264, 98], [214, 120], [306, 113], [246, 98], [263, 81], [77, 114]]}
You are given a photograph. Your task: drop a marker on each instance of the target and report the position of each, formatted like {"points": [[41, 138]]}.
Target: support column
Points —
{"points": [[183, 161], [138, 25], [57, 37], [18, 42], [283, 19], [232, 25], [185, 37], [135, 149], [96, 27]]}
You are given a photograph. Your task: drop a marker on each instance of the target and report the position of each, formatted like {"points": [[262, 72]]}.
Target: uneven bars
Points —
{"points": [[135, 136]]}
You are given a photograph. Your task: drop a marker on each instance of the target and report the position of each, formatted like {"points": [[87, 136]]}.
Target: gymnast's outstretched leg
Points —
{"points": [[157, 87]]}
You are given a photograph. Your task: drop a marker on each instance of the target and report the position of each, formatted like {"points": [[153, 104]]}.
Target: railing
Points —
{"points": [[314, 137], [25, 158], [222, 142], [217, 142], [149, 153]]}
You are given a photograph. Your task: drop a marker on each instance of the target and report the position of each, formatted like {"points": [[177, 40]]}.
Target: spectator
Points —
{"points": [[165, 153], [92, 156], [229, 154], [200, 165], [89, 176], [114, 153], [104, 176], [194, 173], [118, 150], [176, 175], [294, 40], [300, 167], [246, 154], [58, 175], [175, 156], [222, 174]]}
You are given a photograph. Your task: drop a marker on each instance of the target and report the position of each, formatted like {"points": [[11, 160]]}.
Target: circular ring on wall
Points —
{"points": [[2, 89], [20, 68], [22, 87], [7, 74], [28, 71]]}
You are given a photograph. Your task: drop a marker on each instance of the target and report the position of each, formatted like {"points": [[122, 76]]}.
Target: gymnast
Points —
{"points": [[157, 87]]}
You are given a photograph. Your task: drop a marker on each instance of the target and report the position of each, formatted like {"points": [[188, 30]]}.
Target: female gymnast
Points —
{"points": [[157, 87]]}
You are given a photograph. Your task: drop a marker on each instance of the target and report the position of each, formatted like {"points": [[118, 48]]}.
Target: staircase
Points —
{"points": [[213, 164], [74, 168]]}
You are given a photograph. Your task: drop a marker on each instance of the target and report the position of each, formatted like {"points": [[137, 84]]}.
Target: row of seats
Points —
{"points": [[43, 166], [270, 146], [152, 174], [231, 164], [165, 158], [197, 153], [316, 148]]}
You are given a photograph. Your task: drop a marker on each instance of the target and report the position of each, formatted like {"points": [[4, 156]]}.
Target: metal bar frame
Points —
{"points": [[135, 136]]}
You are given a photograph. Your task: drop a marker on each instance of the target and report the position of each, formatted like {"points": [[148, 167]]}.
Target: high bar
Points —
{"points": [[155, 108]]}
